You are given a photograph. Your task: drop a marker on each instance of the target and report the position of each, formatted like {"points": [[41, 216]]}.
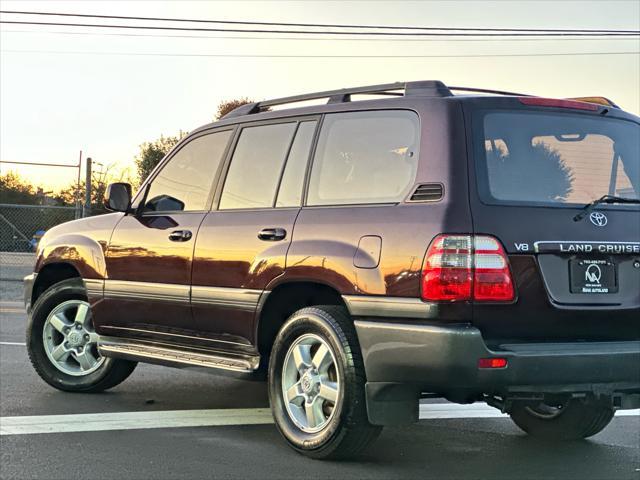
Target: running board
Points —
{"points": [[175, 357]]}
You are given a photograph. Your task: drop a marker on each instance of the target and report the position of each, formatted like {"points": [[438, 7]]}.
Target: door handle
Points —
{"points": [[272, 234], [180, 235]]}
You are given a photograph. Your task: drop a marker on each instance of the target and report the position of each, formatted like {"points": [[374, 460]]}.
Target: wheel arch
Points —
{"points": [[50, 274], [285, 299]]}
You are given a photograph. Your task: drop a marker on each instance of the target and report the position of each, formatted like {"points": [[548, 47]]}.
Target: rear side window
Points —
{"points": [[540, 158], [365, 157], [256, 166], [185, 182]]}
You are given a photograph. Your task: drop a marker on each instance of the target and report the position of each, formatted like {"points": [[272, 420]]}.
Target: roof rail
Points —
{"points": [[595, 99], [427, 88], [484, 90]]}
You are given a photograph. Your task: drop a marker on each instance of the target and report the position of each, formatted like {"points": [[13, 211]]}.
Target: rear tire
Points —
{"points": [[578, 418], [335, 428], [60, 327]]}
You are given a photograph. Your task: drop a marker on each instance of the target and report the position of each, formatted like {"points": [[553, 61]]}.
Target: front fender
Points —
{"points": [[85, 254], [80, 243]]}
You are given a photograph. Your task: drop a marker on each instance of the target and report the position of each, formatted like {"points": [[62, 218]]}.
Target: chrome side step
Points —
{"points": [[175, 357]]}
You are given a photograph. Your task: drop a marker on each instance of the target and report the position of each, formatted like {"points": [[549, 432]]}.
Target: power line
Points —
{"points": [[227, 37], [323, 32], [40, 164], [314, 25], [228, 55]]}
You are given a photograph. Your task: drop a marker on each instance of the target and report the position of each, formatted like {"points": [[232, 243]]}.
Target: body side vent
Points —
{"points": [[427, 192]]}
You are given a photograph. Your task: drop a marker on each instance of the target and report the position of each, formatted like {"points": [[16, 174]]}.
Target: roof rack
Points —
{"points": [[425, 88], [484, 90]]}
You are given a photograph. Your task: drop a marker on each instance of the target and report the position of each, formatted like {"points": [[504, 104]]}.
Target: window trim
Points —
{"points": [[311, 163], [314, 138], [284, 165], [172, 153], [215, 206]]}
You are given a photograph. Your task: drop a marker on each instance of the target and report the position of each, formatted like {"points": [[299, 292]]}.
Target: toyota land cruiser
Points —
{"points": [[360, 255]]}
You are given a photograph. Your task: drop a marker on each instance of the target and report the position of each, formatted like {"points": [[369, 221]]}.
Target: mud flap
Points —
{"points": [[392, 403]]}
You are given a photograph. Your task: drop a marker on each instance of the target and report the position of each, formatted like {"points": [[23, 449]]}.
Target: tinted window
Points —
{"points": [[559, 158], [290, 193], [256, 166], [185, 181], [365, 157]]}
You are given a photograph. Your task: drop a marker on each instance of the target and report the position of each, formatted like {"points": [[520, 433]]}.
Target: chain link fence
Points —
{"points": [[21, 227]]}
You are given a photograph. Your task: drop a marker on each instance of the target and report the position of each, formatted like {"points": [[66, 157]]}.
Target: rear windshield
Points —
{"points": [[542, 158]]}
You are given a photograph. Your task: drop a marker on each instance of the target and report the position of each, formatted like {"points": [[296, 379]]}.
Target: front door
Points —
{"points": [[242, 246], [150, 255]]}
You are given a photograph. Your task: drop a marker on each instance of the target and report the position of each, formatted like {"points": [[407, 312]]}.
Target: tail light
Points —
{"points": [[466, 267]]}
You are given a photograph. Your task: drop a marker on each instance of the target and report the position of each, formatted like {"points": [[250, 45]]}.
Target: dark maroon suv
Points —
{"points": [[362, 255]]}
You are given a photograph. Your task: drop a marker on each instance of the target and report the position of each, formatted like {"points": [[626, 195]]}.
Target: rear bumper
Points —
{"points": [[402, 359]]}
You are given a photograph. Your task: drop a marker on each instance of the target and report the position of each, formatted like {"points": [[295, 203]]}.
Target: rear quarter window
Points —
{"points": [[365, 157]]}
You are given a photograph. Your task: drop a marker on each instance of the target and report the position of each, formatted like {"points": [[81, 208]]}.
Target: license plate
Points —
{"points": [[593, 276]]}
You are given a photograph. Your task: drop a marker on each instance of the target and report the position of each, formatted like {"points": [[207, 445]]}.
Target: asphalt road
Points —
{"points": [[491, 448]]}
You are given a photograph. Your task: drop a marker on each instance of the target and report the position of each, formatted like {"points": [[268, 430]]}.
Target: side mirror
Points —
{"points": [[117, 198]]}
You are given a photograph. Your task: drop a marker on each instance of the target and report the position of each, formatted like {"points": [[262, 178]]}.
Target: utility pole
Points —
{"points": [[87, 190], [78, 199]]}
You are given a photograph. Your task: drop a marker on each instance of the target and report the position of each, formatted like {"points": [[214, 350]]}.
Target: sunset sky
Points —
{"points": [[107, 91]]}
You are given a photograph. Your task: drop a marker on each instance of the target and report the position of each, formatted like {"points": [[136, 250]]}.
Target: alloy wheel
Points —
{"points": [[310, 383], [69, 340]]}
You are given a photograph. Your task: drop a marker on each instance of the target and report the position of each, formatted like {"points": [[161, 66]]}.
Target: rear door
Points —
{"points": [[536, 167], [242, 245]]}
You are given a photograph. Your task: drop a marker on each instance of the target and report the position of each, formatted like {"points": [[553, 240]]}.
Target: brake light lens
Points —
{"points": [[466, 267], [446, 274]]}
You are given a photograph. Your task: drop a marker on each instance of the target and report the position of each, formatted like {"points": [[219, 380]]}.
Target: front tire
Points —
{"points": [[62, 343], [316, 385], [573, 419]]}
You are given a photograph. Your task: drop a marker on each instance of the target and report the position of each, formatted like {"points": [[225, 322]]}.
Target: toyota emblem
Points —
{"points": [[598, 219]]}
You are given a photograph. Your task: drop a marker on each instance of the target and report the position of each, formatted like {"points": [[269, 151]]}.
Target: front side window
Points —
{"points": [[365, 157], [185, 182], [256, 166], [543, 158]]}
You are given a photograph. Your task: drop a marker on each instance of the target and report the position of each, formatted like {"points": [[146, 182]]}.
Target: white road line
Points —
{"points": [[94, 422], [451, 410], [477, 410], [15, 344]]}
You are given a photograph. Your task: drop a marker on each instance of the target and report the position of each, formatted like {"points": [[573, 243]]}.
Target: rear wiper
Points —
{"points": [[603, 199]]}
